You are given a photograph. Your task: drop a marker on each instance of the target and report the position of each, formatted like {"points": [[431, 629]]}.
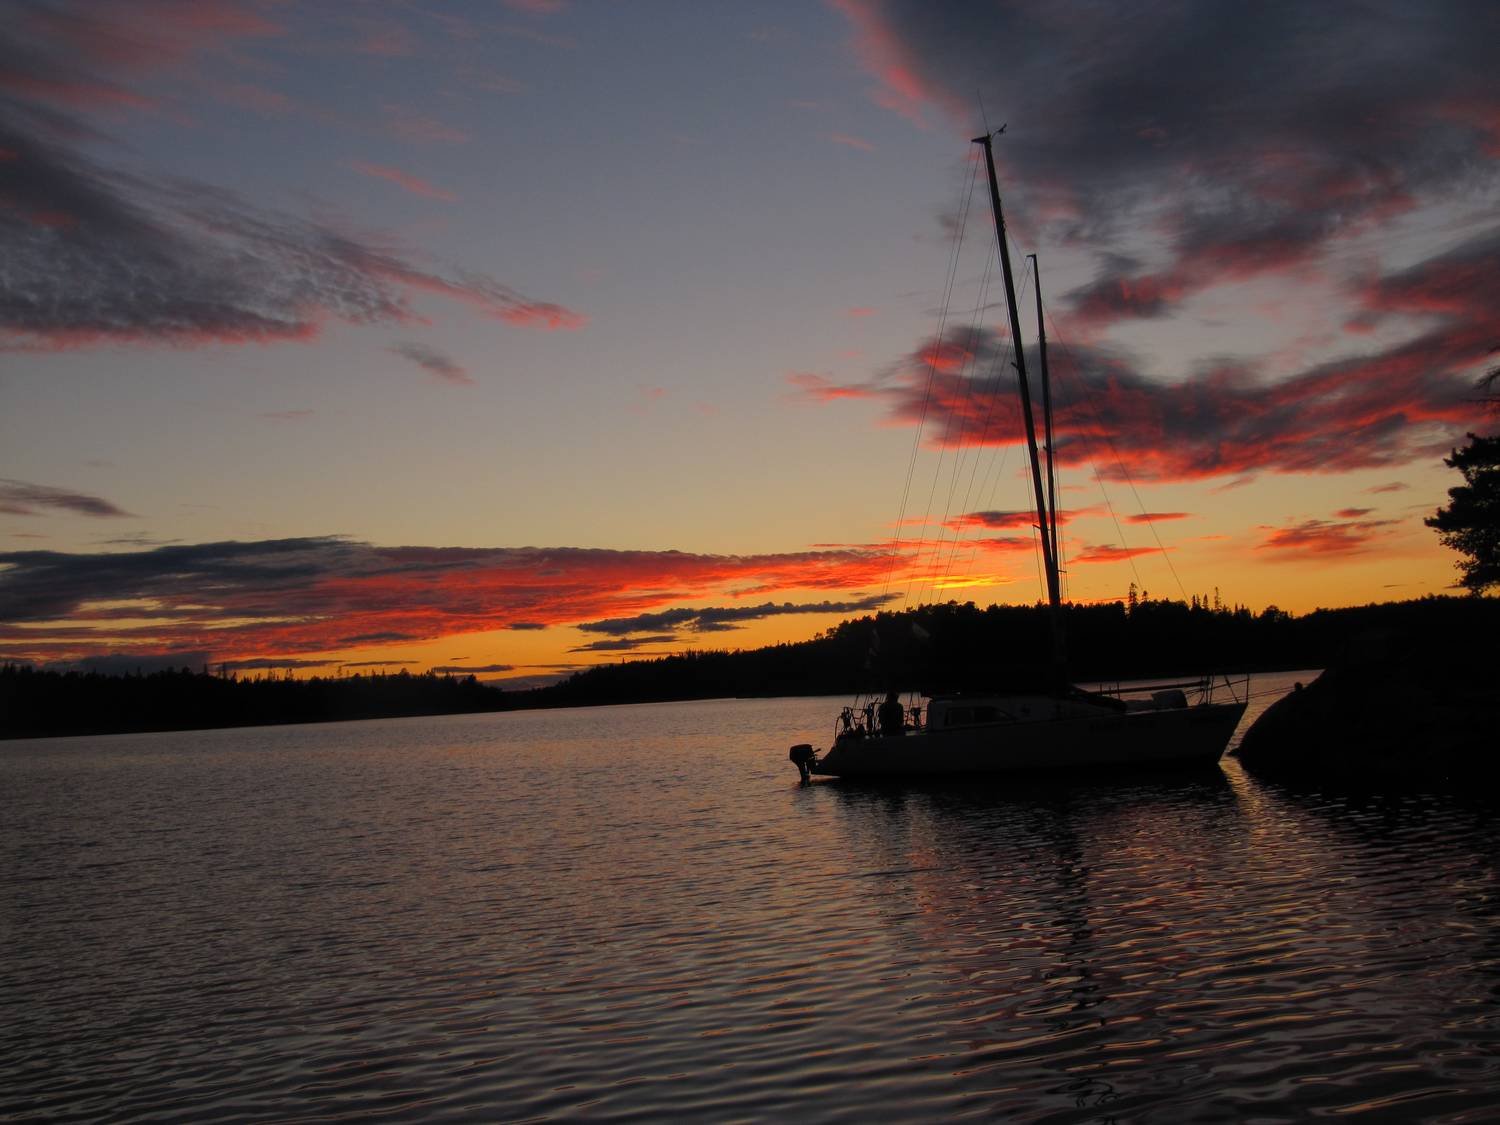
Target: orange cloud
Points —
{"points": [[302, 596]]}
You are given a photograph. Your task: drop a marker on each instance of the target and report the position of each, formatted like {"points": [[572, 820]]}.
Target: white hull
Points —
{"points": [[1179, 736]]}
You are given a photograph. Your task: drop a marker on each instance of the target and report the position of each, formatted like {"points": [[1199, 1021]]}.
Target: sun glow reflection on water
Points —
{"points": [[636, 911]]}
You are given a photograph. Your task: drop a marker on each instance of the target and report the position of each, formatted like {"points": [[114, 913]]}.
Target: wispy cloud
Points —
{"points": [[432, 361], [713, 619], [95, 255], [1324, 537], [1384, 408], [303, 596], [1244, 176], [21, 498], [1109, 553], [851, 142], [1156, 517], [409, 124], [405, 180], [627, 644]]}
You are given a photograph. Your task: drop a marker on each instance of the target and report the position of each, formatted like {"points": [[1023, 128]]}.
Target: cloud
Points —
{"points": [[19, 498], [720, 618], [851, 142], [410, 125], [1322, 537], [286, 415], [433, 362], [288, 597], [1254, 138], [820, 388], [1352, 513], [95, 255], [1367, 410], [629, 644], [464, 670], [1009, 520], [1157, 517], [414, 184], [1110, 553]]}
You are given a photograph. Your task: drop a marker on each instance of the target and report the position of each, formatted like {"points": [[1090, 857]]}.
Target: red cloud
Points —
{"points": [[401, 179], [1110, 553], [1320, 537], [245, 600], [1388, 407], [543, 314], [1157, 517], [822, 389], [884, 53]]}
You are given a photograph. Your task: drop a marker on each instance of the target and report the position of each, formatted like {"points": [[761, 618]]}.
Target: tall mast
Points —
{"points": [[1041, 347], [1049, 559]]}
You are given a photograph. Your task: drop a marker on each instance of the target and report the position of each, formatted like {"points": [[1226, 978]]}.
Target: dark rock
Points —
{"points": [[1401, 703]]}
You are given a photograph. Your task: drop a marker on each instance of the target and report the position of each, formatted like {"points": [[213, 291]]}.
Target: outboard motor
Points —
{"points": [[802, 756]]}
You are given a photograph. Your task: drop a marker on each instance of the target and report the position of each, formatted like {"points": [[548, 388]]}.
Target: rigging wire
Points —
{"points": [[960, 449], [991, 394], [1098, 417], [916, 447]]}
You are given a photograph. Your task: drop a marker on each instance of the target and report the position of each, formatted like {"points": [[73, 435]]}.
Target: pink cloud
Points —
{"points": [[819, 388], [851, 142], [410, 125], [1321, 537], [404, 180]]}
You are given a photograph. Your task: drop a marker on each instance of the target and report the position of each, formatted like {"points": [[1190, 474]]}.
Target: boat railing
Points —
{"points": [[1237, 687], [862, 721]]}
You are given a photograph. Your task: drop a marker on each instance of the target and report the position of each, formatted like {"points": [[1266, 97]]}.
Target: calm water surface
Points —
{"points": [[636, 912]]}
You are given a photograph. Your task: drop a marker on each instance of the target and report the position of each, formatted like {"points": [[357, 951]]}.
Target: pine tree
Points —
{"points": [[1470, 524]]}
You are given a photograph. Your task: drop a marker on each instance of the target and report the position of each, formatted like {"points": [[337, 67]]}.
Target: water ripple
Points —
{"points": [[635, 913]]}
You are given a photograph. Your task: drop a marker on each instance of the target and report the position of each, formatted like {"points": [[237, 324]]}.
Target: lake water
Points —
{"points": [[637, 912]]}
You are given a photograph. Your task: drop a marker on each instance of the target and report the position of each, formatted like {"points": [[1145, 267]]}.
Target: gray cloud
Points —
{"points": [[433, 362], [629, 644], [1252, 134], [719, 619], [20, 498], [95, 254]]}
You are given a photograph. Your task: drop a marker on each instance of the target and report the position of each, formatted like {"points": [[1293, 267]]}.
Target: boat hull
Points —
{"points": [[1176, 737]]}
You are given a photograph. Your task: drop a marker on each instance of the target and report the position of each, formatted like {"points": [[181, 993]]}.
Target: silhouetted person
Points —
{"points": [[892, 715]]}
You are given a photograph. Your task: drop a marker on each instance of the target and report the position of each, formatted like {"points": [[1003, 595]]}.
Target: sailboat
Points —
{"points": [[1063, 728]]}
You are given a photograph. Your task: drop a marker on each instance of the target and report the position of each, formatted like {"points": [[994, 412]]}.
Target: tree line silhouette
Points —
{"points": [[933, 648], [47, 702]]}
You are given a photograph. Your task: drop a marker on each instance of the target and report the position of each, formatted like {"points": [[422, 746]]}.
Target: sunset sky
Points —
{"points": [[519, 336]]}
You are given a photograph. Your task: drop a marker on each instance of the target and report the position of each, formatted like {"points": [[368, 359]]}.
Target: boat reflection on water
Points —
{"points": [[1183, 944]]}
